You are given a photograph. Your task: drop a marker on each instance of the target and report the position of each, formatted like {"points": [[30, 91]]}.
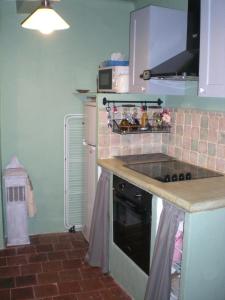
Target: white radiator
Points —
{"points": [[73, 171]]}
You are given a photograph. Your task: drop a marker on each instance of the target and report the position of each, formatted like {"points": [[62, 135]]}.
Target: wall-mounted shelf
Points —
{"points": [[86, 95], [136, 129], [131, 124]]}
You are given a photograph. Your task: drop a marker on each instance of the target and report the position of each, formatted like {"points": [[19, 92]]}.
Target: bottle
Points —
{"points": [[144, 118], [124, 124]]}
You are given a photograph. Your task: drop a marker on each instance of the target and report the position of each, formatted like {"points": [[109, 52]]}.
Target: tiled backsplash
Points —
{"points": [[111, 144], [197, 137]]}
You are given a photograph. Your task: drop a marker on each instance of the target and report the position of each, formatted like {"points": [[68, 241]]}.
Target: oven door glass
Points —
{"points": [[132, 225]]}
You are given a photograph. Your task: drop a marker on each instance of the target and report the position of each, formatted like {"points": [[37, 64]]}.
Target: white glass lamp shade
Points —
{"points": [[46, 20]]}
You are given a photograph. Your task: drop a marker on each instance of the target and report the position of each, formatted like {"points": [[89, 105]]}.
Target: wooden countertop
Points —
{"points": [[193, 196]]}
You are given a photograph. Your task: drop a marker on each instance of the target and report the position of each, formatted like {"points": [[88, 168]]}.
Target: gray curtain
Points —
{"points": [[98, 251], [159, 282]]}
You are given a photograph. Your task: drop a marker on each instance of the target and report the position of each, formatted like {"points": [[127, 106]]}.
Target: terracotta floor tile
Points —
{"points": [[26, 250], [79, 244], [68, 275], [26, 280], [45, 290], [46, 239], [72, 264], [48, 277], [16, 260], [7, 283], [41, 257], [57, 255], [63, 246], [69, 287], [31, 269], [65, 238], [8, 252], [89, 296], [3, 261], [75, 253], [34, 240], [78, 236], [44, 248], [91, 284], [52, 266], [65, 297], [9, 271], [22, 293], [5, 294], [88, 273], [107, 295]]}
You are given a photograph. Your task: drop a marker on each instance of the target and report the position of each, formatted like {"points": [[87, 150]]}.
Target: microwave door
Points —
{"points": [[105, 80]]}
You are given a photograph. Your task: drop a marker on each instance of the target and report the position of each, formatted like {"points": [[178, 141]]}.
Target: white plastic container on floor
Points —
{"points": [[15, 180]]}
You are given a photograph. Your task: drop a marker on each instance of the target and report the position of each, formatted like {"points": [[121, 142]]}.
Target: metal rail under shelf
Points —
{"points": [[158, 102]]}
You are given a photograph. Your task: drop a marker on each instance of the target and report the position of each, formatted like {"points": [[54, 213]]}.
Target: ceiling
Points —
{"points": [[27, 6]]}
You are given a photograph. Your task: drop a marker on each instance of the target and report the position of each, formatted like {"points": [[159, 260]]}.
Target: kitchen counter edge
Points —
{"points": [[192, 196]]}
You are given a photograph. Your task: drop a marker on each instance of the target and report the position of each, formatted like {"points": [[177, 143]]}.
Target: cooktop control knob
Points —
{"points": [[122, 187], [174, 177], [181, 176], [188, 176]]}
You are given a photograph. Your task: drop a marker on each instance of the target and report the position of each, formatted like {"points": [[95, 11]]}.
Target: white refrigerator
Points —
{"points": [[90, 171]]}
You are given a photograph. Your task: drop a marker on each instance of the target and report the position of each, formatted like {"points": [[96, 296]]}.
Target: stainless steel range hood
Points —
{"points": [[185, 65]]}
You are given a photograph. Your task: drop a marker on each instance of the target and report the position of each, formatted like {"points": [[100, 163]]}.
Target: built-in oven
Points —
{"points": [[132, 211]]}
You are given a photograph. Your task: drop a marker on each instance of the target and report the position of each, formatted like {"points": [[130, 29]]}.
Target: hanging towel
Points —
{"points": [[31, 206]]}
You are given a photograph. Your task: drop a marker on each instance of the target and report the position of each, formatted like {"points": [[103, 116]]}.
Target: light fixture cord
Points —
{"points": [[45, 3]]}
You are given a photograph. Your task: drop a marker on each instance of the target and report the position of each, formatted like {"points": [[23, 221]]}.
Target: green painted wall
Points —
{"points": [[202, 103], [178, 4], [38, 76]]}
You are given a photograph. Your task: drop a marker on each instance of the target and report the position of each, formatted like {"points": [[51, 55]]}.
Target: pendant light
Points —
{"points": [[45, 19]]}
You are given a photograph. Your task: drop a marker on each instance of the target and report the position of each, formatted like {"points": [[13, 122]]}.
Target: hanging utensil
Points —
{"points": [[114, 109], [109, 123]]}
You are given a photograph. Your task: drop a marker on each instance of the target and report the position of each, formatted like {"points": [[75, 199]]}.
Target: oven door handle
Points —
{"points": [[127, 203]]}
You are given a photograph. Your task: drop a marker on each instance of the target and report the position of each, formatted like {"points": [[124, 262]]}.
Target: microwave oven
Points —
{"points": [[114, 79]]}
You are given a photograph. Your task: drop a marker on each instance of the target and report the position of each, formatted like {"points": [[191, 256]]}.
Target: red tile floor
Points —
{"points": [[52, 267]]}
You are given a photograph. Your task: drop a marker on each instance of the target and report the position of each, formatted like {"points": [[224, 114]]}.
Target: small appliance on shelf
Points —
{"points": [[113, 75]]}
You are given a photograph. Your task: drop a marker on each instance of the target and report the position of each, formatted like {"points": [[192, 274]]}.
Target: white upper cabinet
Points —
{"points": [[156, 34], [212, 49]]}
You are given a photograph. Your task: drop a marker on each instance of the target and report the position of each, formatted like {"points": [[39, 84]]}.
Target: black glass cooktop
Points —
{"points": [[173, 170]]}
